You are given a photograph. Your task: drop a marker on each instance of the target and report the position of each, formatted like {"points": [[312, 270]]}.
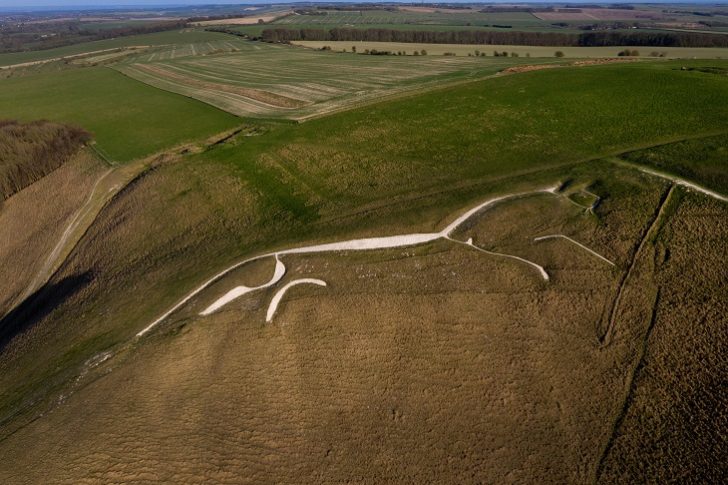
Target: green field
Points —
{"points": [[127, 118], [383, 17], [483, 130], [703, 159]]}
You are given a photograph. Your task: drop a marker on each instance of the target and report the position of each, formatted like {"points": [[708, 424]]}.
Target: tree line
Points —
{"points": [[31, 37], [30, 151], [558, 39]]}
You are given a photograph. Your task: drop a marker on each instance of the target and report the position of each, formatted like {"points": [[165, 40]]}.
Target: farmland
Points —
{"points": [[274, 81], [530, 51], [381, 17], [178, 38], [114, 108], [279, 264], [556, 20]]}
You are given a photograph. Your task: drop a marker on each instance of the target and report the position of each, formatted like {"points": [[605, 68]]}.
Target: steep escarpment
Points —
{"points": [[30, 151]]}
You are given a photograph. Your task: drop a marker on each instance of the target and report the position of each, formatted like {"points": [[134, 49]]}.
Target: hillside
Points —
{"points": [[30, 151], [465, 276]]}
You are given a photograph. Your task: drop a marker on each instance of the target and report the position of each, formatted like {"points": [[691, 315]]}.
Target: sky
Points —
{"points": [[107, 3]]}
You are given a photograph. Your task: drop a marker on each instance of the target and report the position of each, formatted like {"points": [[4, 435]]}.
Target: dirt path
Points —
{"points": [[365, 244], [105, 188], [684, 183], [630, 386], [50, 263], [675, 179], [606, 338]]}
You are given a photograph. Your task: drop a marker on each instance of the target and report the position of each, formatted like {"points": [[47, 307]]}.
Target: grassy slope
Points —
{"points": [[418, 336], [127, 118], [381, 169], [673, 420], [481, 130], [703, 159]]}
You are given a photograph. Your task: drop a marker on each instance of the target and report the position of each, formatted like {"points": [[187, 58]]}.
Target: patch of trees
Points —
{"points": [[615, 6], [309, 11], [557, 39], [225, 30], [697, 13], [136, 30], [205, 18], [357, 7], [515, 9], [608, 26], [629, 53], [713, 23], [30, 151]]}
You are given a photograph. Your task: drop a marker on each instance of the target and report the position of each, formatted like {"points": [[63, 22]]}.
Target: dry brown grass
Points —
{"points": [[674, 416], [32, 221], [436, 363], [429, 363], [30, 151]]}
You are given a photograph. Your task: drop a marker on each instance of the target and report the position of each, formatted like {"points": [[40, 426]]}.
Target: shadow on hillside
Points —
{"points": [[40, 304]]}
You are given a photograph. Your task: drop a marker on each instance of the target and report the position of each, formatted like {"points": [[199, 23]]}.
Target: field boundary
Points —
{"points": [[606, 338], [71, 56], [537, 66], [630, 385], [425, 193], [674, 178]]}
